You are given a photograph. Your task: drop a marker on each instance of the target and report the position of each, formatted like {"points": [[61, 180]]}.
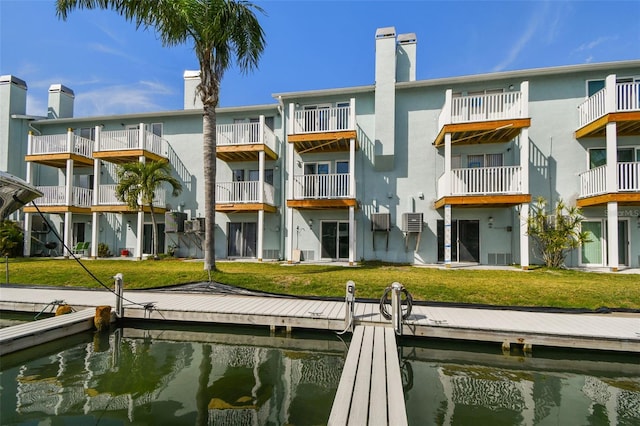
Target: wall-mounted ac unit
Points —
{"points": [[198, 224], [412, 222], [380, 221], [174, 221]]}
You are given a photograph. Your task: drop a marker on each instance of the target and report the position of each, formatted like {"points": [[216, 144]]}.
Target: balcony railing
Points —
{"points": [[627, 99], [326, 186], [122, 140], [107, 197], [483, 181], [594, 181], [243, 192], [57, 196], [59, 144], [323, 120], [495, 106], [245, 134]]}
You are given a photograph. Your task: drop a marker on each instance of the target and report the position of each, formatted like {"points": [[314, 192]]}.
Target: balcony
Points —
{"points": [[125, 146], [322, 191], [55, 150], [244, 141], [619, 103], [108, 202], [54, 200], [482, 187], [594, 191], [488, 118], [323, 129], [244, 197]]}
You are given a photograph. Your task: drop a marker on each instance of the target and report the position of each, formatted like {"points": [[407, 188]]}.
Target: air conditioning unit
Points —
{"points": [[412, 222], [188, 226], [174, 221], [380, 221], [198, 224]]}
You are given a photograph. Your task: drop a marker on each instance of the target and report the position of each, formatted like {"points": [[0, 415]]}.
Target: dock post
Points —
{"points": [[119, 290], [349, 305], [396, 307]]}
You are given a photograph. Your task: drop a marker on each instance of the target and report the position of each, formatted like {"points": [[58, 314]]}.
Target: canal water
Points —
{"points": [[207, 375]]}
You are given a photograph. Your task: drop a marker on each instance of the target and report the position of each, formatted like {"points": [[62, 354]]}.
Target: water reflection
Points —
{"points": [[451, 387], [174, 377]]}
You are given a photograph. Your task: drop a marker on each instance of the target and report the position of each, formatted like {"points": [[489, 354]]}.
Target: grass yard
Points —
{"points": [[539, 287]]}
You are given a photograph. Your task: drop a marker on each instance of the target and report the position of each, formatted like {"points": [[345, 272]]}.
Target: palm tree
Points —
{"points": [[221, 31], [137, 185]]}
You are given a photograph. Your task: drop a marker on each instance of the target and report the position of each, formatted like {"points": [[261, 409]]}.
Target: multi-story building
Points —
{"points": [[403, 170]]}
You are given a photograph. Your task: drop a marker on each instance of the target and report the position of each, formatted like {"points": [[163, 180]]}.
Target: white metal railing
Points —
{"points": [[57, 196], [627, 99], [121, 140], [117, 140], [81, 197], [334, 185], [107, 196], [594, 181], [628, 96], [243, 192], [495, 106], [486, 180], [592, 108], [245, 134], [52, 196], [238, 134], [56, 144], [629, 176], [322, 120]]}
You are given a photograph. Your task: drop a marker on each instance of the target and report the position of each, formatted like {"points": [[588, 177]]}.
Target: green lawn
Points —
{"points": [[539, 287]]}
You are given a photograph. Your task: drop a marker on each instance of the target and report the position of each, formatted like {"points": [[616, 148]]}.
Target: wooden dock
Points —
{"points": [[370, 390], [34, 333], [505, 327]]}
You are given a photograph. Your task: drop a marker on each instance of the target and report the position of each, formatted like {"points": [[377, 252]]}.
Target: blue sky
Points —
{"points": [[114, 68]]}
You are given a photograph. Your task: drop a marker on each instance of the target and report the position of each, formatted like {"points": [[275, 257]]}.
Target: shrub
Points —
{"points": [[103, 250], [11, 238]]}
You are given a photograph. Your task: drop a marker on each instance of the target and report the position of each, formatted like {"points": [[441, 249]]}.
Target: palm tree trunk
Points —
{"points": [[209, 151], [154, 232]]}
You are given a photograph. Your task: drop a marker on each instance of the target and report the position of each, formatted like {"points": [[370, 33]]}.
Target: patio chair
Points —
{"points": [[81, 248]]}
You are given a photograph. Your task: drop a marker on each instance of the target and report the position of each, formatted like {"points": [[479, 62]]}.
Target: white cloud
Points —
{"points": [[595, 43], [142, 96]]}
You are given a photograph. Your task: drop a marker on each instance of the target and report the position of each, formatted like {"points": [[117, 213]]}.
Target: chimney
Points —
{"points": [[385, 99], [406, 60], [60, 102], [13, 100], [191, 98]]}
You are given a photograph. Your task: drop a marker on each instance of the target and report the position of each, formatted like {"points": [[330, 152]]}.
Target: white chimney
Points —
{"points": [[60, 103], [385, 99], [406, 60], [191, 97]]}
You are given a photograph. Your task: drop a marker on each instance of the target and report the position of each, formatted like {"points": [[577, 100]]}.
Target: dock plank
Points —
{"points": [[342, 402], [358, 414], [397, 409], [378, 397]]}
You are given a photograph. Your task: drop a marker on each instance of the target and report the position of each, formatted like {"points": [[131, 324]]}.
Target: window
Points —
{"points": [[238, 175], [87, 133], [594, 86], [156, 129], [254, 176], [483, 160], [598, 156], [474, 161]]}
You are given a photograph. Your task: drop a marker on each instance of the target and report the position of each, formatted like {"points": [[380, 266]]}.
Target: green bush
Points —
{"points": [[103, 250], [11, 238]]}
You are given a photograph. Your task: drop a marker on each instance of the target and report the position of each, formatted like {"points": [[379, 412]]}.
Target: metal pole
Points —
{"points": [[396, 307], [119, 289], [349, 305]]}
